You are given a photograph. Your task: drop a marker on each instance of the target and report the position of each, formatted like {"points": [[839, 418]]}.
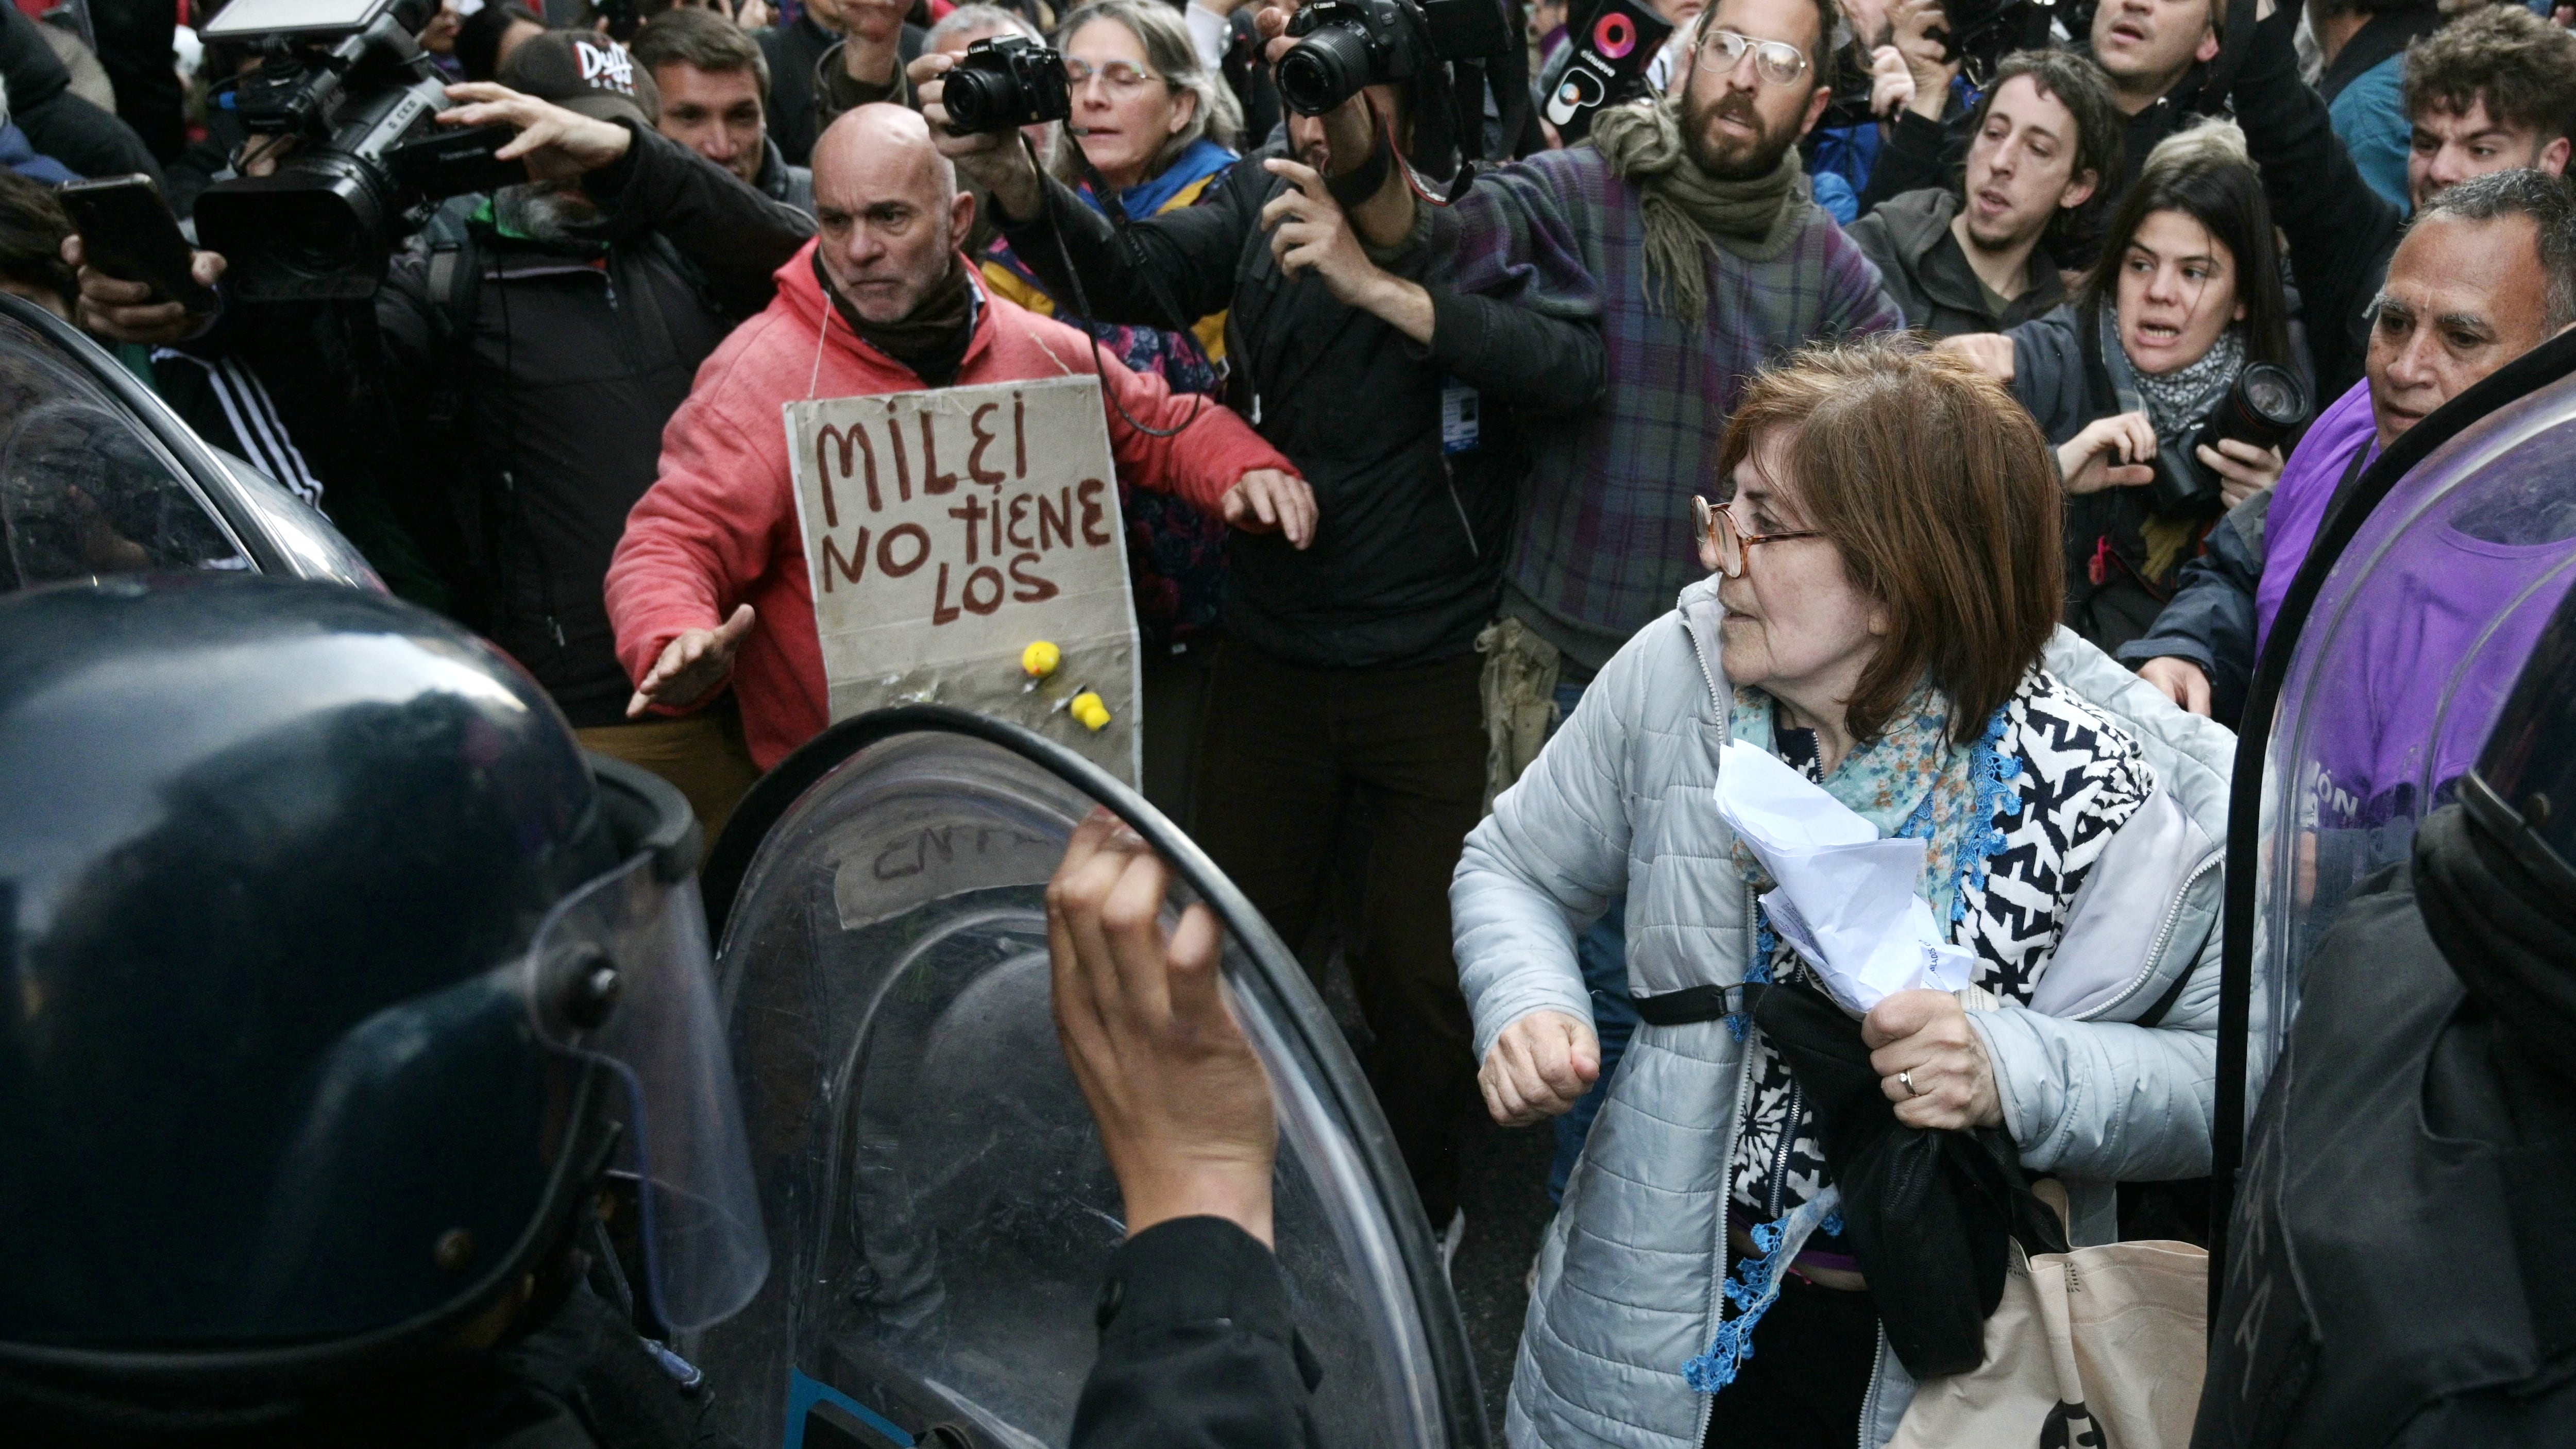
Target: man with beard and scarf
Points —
{"points": [[1346, 686], [712, 565], [547, 332], [1712, 262]]}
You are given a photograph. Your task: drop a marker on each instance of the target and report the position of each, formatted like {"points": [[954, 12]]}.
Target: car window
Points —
{"points": [[84, 489]]}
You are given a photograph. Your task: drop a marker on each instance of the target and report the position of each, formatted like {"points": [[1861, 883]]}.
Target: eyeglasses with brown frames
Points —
{"points": [[1717, 525]]}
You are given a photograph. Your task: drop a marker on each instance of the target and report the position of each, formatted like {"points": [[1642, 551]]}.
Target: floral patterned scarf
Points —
{"points": [[1910, 781]]}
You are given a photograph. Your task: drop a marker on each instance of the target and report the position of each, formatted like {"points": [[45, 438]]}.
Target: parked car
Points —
{"points": [[98, 476]]}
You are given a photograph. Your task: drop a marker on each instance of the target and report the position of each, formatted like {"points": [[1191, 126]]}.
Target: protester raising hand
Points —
{"points": [[1183, 1104], [558, 144]]}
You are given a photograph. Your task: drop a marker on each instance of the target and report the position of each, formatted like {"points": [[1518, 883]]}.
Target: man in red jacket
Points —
{"points": [[881, 302]]}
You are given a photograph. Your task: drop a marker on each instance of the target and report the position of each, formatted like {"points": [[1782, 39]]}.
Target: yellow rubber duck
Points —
{"points": [[1040, 659]]}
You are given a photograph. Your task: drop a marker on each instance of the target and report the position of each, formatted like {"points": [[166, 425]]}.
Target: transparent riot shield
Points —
{"points": [[2419, 631], [940, 1213]]}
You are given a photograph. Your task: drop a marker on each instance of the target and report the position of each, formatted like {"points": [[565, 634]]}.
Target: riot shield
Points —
{"points": [[940, 1213], [2417, 632]]}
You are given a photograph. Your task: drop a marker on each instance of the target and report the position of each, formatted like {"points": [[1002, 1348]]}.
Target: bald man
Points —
{"points": [[709, 584]]}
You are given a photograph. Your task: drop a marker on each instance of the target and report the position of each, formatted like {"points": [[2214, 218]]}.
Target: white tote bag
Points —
{"points": [[2098, 1347]]}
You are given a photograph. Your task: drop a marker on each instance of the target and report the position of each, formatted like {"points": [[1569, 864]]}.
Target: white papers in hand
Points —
{"points": [[1845, 899]]}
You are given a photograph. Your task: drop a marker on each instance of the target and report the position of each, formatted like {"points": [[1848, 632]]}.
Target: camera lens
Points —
{"points": [[1324, 70], [2274, 395], [978, 100]]}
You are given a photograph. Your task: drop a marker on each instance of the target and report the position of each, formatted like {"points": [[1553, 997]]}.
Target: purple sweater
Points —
{"points": [[2299, 500]]}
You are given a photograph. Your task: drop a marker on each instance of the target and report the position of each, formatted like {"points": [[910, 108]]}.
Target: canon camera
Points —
{"points": [[352, 89], [1343, 45], [1005, 83], [2261, 407]]}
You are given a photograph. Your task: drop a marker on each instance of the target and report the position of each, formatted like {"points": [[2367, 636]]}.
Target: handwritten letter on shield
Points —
{"points": [[946, 531]]}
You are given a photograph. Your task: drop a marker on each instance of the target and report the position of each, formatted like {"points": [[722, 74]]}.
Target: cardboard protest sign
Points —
{"points": [[947, 531]]}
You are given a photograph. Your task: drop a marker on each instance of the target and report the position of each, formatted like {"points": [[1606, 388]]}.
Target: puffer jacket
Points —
{"points": [[1630, 1271]]}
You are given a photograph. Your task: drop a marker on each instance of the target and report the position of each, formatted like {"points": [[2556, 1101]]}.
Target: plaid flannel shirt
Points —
{"points": [[1604, 539]]}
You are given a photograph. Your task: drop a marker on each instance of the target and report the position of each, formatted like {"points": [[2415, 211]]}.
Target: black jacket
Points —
{"points": [[2340, 231], [1407, 558], [1927, 274], [793, 52], [1198, 1348], [2210, 620], [560, 375], [58, 123]]}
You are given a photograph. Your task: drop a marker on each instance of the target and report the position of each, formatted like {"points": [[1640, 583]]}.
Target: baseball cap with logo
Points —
{"points": [[583, 72]]}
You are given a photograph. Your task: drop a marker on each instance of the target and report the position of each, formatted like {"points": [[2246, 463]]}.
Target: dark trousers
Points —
{"points": [[1802, 1385], [1284, 753]]}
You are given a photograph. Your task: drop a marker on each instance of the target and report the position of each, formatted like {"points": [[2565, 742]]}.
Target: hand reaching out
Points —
{"points": [[691, 666], [1266, 500], [556, 143], [1183, 1104]]}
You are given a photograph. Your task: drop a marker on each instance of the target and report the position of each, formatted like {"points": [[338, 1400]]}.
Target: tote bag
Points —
{"points": [[2101, 1346]]}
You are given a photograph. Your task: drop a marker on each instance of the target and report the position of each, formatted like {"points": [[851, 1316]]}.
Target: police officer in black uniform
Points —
{"points": [[2407, 1218], [361, 1080], [342, 995]]}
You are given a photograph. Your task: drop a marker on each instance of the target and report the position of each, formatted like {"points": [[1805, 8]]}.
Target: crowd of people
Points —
{"points": [[1945, 424]]}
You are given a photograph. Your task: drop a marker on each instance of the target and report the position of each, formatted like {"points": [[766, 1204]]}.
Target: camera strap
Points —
{"points": [[454, 283]]}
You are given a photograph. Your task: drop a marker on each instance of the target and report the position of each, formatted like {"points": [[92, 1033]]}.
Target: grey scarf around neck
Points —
{"points": [[2184, 396], [1687, 210]]}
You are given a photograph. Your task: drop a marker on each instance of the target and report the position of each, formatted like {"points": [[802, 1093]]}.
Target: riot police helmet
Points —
{"points": [[339, 984]]}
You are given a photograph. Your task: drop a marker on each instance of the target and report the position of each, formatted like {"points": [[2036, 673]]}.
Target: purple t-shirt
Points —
{"points": [[2299, 500]]}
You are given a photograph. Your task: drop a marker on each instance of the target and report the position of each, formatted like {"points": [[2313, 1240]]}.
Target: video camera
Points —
{"points": [[1004, 83], [2261, 407], [1344, 45], [347, 79]]}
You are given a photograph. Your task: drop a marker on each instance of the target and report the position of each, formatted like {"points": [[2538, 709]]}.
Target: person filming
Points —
{"points": [[2163, 338], [1348, 677]]}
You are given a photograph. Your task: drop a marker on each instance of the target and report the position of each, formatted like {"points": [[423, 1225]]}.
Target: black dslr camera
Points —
{"points": [[2261, 407], [1344, 45], [346, 80], [1004, 83], [1980, 33]]}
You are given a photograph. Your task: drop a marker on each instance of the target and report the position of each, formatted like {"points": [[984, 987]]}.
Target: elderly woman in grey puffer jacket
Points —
{"points": [[1883, 621]]}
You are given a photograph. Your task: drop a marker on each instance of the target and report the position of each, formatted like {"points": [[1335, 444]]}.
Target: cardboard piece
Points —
{"points": [[945, 531]]}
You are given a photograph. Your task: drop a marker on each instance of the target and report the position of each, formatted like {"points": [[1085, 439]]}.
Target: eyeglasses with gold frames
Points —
{"points": [[1776, 61], [1717, 525]]}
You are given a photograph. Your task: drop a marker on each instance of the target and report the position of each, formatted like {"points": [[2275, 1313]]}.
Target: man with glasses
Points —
{"points": [[1711, 262], [1346, 684]]}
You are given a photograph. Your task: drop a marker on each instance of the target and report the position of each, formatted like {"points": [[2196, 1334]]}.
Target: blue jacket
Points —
{"points": [[2369, 115], [20, 156]]}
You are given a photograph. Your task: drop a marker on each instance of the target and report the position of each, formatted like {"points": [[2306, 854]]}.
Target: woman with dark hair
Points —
{"points": [[2185, 295], [1881, 622]]}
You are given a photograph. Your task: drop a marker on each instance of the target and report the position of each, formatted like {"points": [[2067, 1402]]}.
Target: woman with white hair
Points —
{"points": [[1156, 125]]}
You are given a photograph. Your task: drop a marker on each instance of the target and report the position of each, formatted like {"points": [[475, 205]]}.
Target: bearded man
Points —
{"points": [[1711, 263]]}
